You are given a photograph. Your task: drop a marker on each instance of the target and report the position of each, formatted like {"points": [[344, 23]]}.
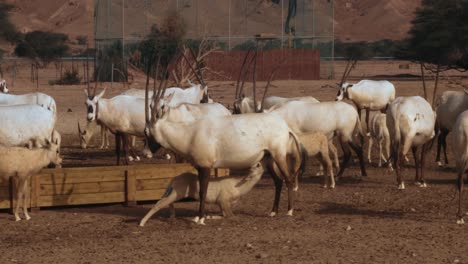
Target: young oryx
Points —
{"points": [[22, 125], [22, 163], [224, 191], [368, 95], [460, 151], [329, 118], [86, 134], [450, 105], [235, 142], [3, 87], [410, 121], [378, 130]]}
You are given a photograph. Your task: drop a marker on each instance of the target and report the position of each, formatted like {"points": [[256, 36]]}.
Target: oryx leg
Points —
{"points": [[25, 199], [165, 201], [424, 150], [367, 121], [117, 146], [369, 149], [416, 164], [460, 183], [442, 143], [334, 151], [203, 178], [359, 152], [125, 148], [226, 208], [381, 155], [20, 199], [274, 172], [346, 158]]}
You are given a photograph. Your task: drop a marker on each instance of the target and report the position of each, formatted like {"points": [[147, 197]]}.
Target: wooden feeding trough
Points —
{"points": [[99, 185]]}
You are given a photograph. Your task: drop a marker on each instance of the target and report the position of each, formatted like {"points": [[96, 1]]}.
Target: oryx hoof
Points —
{"points": [[440, 164], [17, 218], [137, 158], [167, 156], [460, 221], [401, 186], [130, 158], [290, 213], [272, 214]]}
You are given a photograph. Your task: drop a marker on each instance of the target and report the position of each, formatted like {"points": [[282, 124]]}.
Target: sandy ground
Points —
{"points": [[362, 221]]}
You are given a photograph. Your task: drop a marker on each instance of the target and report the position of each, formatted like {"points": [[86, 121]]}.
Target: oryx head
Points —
{"points": [[343, 92], [86, 134], [92, 104], [3, 87], [53, 153]]}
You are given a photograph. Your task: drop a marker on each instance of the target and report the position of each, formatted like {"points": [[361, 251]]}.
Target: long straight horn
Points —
{"points": [[254, 82], [246, 74], [272, 74], [237, 94], [148, 70], [79, 129]]}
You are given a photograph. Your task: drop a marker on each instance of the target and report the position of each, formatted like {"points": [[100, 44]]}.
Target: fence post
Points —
{"points": [[130, 188]]}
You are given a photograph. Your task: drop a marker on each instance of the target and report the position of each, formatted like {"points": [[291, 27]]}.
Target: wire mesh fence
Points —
{"points": [[120, 25]]}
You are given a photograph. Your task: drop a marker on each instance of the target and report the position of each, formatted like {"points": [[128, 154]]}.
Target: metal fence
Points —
{"points": [[298, 24]]}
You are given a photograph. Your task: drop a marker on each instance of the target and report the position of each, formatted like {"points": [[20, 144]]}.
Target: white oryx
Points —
{"points": [[368, 95], [192, 95], [25, 125], [460, 152], [124, 116], [246, 105], [450, 105], [41, 99], [3, 87], [330, 118], [87, 133], [410, 121], [235, 142]]}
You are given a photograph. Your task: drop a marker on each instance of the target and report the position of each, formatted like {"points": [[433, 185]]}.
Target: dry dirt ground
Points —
{"points": [[364, 220]]}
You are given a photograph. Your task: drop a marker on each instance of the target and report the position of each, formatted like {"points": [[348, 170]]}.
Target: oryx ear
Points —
{"points": [[86, 93], [168, 98], [242, 95], [97, 97]]}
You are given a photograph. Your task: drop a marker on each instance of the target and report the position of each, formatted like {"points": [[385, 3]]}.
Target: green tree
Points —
{"points": [[42, 45], [438, 38]]}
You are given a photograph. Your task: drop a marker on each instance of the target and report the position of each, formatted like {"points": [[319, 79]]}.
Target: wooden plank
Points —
{"points": [[87, 198], [152, 184], [90, 176], [4, 204], [164, 171], [35, 191], [130, 189], [149, 195], [80, 188]]}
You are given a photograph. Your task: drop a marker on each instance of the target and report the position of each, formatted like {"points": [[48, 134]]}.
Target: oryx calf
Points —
{"points": [[378, 130], [22, 163]]}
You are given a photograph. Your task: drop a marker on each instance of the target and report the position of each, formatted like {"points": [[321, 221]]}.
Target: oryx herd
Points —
{"points": [[269, 133]]}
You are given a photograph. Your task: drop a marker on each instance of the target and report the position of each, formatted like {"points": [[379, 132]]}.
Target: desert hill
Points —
{"points": [[355, 20]]}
